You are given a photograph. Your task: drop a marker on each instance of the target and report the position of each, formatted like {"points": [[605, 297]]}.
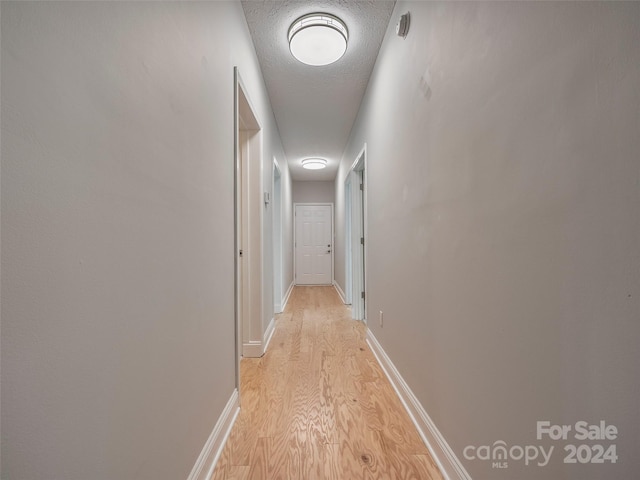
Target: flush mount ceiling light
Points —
{"points": [[314, 163], [318, 39]]}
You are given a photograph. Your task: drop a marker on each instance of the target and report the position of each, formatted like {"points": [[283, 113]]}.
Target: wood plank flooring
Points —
{"points": [[318, 406]]}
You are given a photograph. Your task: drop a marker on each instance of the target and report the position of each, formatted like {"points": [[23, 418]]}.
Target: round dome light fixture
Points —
{"points": [[318, 39], [314, 163]]}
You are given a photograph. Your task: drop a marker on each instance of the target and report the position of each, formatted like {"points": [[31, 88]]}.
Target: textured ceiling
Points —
{"points": [[315, 107]]}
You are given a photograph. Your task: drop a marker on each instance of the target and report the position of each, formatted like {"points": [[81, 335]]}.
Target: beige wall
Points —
{"points": [[313, 192], [504, 191], [117, 233]]}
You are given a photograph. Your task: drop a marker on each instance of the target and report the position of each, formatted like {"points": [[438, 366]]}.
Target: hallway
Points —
{"points": [[483, 174], [318, 405]]}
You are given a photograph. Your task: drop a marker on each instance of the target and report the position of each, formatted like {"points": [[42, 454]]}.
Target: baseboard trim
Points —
{"points": [[257, 348], [343, 297], [253, 349], [287, 295], [206, 463], [269, 334], [444, 456]]}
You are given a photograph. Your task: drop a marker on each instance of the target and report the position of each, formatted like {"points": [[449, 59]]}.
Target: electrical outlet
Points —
{"points": [[381, 315]]}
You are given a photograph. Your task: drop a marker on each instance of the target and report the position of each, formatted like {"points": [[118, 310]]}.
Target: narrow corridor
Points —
{"points": [[318, 406]]}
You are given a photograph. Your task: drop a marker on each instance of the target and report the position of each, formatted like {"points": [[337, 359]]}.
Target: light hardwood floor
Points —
{"points": [[318, 406]]}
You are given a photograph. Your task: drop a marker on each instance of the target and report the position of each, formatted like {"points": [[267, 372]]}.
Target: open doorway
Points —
{"points": [[355, 226], [248, 213], [347, 242]]}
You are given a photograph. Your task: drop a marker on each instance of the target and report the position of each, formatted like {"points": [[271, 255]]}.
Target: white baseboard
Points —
{"points": [[257, 348], [253, 349], [287, 295], [340, 292], [269, 333], [206, 463], [444, 456]]}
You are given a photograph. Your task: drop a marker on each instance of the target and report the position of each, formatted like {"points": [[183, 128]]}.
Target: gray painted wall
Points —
{"points": [[287, 232], [313, 192], [117, 233], [286, 205], [503, 221]]}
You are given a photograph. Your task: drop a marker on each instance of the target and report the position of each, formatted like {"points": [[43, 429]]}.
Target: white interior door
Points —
{"points": [[314, 244]]}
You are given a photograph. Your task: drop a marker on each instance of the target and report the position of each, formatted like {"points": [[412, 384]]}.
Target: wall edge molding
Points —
{"points": [[268, 335], [287, 295], [444, 456], [206, 462], [340, 292]]}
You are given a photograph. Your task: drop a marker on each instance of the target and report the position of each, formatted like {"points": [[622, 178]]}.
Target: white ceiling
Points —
{"points": [[315, 107]]}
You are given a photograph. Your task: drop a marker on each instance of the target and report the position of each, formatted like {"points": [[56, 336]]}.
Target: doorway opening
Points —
{"points": [[347, 242], [355, 238], [248, 214]]}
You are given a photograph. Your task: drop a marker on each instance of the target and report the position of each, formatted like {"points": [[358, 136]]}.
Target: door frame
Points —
{"points": [[248, 226], [357, 228], [348, 265], [295, 244]]}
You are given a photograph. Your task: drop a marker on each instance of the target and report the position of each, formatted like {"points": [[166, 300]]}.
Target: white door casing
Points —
{"points": [[357, 225], [314, 244], [249, 218], [348, 269]]}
